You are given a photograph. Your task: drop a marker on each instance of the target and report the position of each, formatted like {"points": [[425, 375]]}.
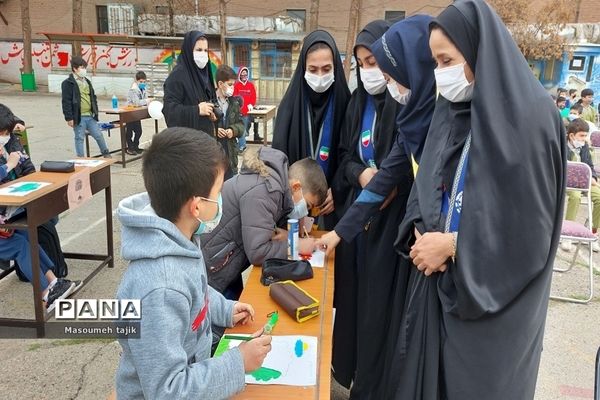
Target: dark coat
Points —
{"points": [[252, 206], [186, 87], [233, 120], [25, 167], [585, 155], [71, 100]]}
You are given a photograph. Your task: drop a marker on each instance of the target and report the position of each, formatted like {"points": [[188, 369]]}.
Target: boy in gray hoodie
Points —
{"points": [[183, 173]]}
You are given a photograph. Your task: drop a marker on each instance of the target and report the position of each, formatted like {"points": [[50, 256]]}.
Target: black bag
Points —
{"points": [[276, 269], [49, 241], [57, 166]]}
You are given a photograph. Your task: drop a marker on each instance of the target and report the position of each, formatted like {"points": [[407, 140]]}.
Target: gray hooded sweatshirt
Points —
{"points": [[166, 271]]}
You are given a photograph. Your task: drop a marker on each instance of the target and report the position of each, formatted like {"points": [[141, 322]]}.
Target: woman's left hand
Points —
{"points": [[431, 251], [19, 128]]}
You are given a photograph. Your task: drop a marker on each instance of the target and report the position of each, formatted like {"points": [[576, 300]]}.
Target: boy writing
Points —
{"points": [[183, 173], [14, 244], [137, 96], [230, 126], [256, 201]]}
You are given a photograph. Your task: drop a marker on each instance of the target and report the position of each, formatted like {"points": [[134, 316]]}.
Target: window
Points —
{"points": [[577, 63], [298, 14], [241, 55], [162, 10], [276, 60], [394, 16], [102, 19]]}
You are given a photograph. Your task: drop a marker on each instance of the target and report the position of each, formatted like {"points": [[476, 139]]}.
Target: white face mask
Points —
{"points": [[82, 72], [453, 84], [4, 140], [201, 58], [373, 80], [578, 143], [228, 91], [392, 87], [319, 83]]}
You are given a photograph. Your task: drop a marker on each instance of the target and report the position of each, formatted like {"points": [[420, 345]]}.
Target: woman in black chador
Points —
{"points": [[311, 113], [483, 220]]}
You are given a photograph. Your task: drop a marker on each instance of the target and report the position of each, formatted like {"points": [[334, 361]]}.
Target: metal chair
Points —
{"points": [[595, 147], [579, 177]]}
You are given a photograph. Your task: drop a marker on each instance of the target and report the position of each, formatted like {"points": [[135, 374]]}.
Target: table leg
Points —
{"points": [[265, 140], [123, 143], [37, 290], [155, 126], [109, 225]]}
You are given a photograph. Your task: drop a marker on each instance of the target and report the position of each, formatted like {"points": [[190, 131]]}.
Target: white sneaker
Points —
{"points": [[566, 245], [595, 247]]}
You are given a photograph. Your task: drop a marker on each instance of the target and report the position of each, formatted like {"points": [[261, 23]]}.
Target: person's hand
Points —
{"points": [[229, 133], [13, 160], [70, 123], [254, 351], [327, 207], [242, 313], [206, 110], [222, 133], [328, 242], [19, 128], [280, 235], [430, 252], [365, 177], [390, 197]]}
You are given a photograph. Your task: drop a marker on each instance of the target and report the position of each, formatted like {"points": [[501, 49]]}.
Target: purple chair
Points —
{"points": [[579, 177]]}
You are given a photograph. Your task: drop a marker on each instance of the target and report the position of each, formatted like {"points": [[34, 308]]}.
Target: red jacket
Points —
{"points": [[246, 91]]}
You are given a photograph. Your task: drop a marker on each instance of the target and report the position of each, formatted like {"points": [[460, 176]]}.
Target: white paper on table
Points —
{"points": [[295, 357], [22, 188], [317, 259], [87, 163], [79, 190]]}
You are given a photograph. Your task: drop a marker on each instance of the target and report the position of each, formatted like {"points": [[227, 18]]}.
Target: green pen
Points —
{"points": [[270, 325]]}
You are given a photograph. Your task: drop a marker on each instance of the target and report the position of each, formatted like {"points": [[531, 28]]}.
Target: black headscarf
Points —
{"points": [[201, 79], [494, 296], [290, 133], [186, 87], [403, 53]]}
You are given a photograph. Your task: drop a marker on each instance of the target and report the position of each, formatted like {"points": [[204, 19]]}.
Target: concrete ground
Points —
{"points": [[80, 369]]}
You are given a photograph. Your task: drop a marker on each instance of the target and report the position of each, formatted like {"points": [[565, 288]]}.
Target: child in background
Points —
{"points": [[183, 172], [137, 96], [257, 202], [230, 126], [579, 150]]}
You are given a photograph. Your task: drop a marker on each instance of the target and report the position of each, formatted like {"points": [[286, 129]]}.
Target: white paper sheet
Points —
{"points": [[292, 361], [22, 188], [317, 259], [87, 163]]}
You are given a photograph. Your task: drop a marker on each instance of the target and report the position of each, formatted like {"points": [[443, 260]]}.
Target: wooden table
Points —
{"points": [[128, 114], [321, 286], [263, 114], [44, 204]]}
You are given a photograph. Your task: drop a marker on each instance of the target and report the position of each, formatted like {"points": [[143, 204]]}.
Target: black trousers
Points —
{"points": [[134, 132]]}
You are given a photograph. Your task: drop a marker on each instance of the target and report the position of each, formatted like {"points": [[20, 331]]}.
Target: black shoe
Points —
{"points": [[4, 264], [61, 289], [138, 150], [258, 138], [131, 152], [241, 150]]}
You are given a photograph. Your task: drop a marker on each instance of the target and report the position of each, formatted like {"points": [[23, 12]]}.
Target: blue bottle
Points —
{"points": [[115, 102]]}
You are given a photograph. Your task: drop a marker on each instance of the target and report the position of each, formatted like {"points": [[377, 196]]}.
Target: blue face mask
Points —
{"points": [[209, 226], [142, 85], [300, 209]]}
